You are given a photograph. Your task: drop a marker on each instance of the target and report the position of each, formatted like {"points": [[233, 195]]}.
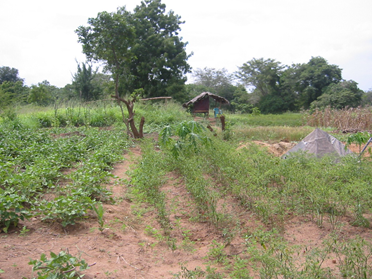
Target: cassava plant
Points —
{"points": [[358, 138], [189, 135], [59, 266]]}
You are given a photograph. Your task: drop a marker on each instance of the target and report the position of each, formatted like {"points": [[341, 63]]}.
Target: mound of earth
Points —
{"points": [[278, 149]]}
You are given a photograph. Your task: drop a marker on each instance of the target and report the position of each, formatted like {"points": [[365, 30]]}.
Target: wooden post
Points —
{"points": [[222, 119]]}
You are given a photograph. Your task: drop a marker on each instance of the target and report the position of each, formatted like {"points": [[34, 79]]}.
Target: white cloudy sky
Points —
{"points": [[38, 38]]}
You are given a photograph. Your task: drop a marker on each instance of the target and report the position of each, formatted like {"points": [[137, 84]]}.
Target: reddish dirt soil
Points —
{"points": [[124, 250]]}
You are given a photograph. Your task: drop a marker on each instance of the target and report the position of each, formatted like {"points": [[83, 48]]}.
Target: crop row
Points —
{"points": [[70, 165]]}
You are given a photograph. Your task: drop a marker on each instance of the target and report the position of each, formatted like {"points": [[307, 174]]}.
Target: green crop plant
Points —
{"points": [[59, 266], [12, 210], [99, 210], [355, 257], [149, 230], [189, 136], [216, 252], [185, 273], [240, 269], [65, 209], [212, 273], [146, 181], [358, 138], [23, 231]]}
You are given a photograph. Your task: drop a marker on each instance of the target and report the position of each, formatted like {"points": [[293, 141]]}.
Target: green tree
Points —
{"points": [[110, 39], [141, 50], [9, 74], [290, 87], [161, 59], [66, 93], [262, 74], [338, 96], [105, 83], [13, 93], [269, 94], [315, 77], [219, 81], [83, 83], [192, 90], [366, 99], [42, 94], [241, 101]]}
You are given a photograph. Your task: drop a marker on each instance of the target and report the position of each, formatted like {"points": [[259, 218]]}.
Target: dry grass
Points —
{"points": [[348, 119]]}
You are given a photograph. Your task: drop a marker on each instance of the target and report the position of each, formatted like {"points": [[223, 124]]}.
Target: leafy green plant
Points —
{"points": [[12, 210], [360, 220], [149, 230], [187, 244], [240, 270], [212, 273], [99, 210], [216, 252], [256, 112], [24, 231], [354, 258], [189, 136], [61, 266], [65, 209], [185, 273], [358, 138]]}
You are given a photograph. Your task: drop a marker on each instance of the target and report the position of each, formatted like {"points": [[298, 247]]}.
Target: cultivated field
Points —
{"points": [[181, 203]]}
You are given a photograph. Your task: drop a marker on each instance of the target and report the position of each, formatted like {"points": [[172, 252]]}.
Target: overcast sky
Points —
{"points": [[38, 38]]}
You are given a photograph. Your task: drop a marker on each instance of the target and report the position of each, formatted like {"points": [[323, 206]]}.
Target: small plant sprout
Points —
{"points": [[24, 231], [100, 215]]}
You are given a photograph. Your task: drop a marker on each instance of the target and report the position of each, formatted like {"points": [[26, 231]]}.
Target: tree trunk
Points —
{"points": [[131, 115]]}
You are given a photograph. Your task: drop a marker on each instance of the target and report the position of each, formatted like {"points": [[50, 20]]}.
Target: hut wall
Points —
{"points": [[201, 106]]}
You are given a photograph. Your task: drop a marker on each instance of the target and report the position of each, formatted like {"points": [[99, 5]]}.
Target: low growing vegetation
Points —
{"points": [[58, 172]]}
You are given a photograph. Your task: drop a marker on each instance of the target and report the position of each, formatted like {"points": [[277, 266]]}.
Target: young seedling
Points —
{"points": [[100, 215], [24, 231]]}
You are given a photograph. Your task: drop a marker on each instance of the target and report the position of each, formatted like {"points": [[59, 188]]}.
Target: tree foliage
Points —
{"points": [[338, 96], [217, 81], [108, 39], [84, 84], [141, 49], [13, 93], [262, 74], [315, 77], [161, 59], [366, 98], [42, 94], [241, 101], [8, 74], [278, 88]]}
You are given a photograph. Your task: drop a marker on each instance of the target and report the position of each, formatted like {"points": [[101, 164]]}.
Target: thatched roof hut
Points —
{"points": [[201, 102]]}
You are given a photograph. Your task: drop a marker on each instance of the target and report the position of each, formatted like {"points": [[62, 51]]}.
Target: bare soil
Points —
{"points": [[124, 250]]}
